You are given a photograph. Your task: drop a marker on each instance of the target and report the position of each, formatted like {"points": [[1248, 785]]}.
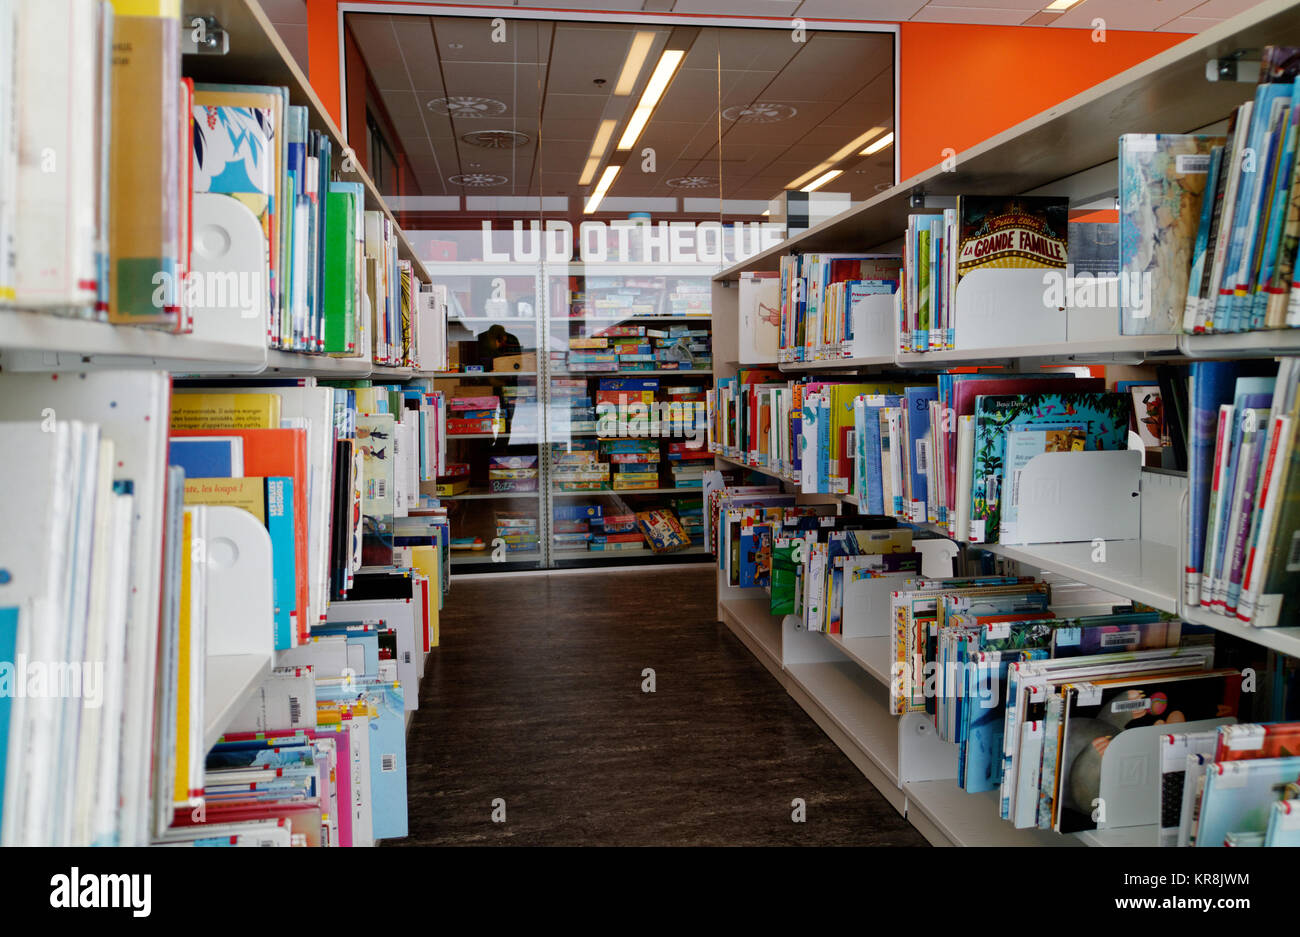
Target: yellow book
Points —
{"points": [[225, 411], [247, 493], [427, 561], [180, 780]]}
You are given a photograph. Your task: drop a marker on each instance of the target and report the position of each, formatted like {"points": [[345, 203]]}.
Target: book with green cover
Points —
{"points": [[340, 272]]}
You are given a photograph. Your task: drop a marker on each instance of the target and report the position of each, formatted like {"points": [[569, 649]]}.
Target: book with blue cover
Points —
{"points": [[1105, 416], [208, 456], [919, 457]]}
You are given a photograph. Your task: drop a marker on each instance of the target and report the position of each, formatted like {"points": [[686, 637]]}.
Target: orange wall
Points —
{"points": [[959, 85]]}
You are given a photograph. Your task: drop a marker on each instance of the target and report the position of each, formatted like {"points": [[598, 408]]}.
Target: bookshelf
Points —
{"points": [[1067, 150], [116, 380], [258, 55], [31, 341]]}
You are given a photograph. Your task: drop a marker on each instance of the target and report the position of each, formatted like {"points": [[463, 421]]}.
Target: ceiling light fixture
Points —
{"points": [[1059, 6], [879, 145], [636, 56], [598, 145], [606, 180], [835, 157], [821, 180], [654, 90]]}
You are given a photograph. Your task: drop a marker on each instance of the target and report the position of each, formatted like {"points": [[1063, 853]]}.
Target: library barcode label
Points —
{"points": [[388, 763], [1120, 638], [1129, 705], [295, 710]]}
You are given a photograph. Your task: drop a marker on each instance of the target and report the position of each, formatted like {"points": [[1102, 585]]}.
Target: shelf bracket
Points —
{"points": [[1234, 67], [204, 35]]}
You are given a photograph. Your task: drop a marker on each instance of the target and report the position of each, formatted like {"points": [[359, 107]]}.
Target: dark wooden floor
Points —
{"points": [[535, 697]]}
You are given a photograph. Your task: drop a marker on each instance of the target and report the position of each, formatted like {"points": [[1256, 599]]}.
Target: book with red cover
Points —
{"points": [[1245, 741], [271, 452]]}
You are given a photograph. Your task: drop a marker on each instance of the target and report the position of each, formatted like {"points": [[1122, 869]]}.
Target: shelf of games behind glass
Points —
{"points": [[278, 471], [607, 478], [953, 767]]}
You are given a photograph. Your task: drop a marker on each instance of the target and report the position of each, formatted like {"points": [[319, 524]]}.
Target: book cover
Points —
{"points": [[1105, 416], [219, 411], [245, 493], [1162, 179], [1239, 796], [273, 453], [1011, 231], [1096, 713]]}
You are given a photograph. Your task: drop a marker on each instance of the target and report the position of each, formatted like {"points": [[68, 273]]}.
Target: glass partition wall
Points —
{"points": [[575, 185]]}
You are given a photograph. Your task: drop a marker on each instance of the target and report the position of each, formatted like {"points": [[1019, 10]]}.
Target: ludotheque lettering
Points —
{"points": [[75, 890]]}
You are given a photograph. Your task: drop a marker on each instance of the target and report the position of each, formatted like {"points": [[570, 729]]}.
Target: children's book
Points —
{"points": [[1105, 417]]}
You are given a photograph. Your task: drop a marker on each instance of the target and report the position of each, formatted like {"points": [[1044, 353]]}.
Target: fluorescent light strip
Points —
{"points": [[822, 180], [838, 155], [654, 89], [597, 151], [640, 48], [879, 145], [606, 180], [848, 148], [1059, 6]]}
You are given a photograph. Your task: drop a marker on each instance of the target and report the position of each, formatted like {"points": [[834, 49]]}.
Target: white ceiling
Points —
{"points": [[542, 83]]}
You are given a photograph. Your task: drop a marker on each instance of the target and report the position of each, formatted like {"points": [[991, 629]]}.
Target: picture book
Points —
{"points": [[1162, 178], [1095, 713], [1011, 231], [1105, 417], [1239, 796]]}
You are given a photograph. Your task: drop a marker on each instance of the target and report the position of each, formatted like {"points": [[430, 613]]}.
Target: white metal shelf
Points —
{"points": [[754, 615], [1122, 346], [945, 814], [853, 702], [1283, 640], [230, 680], [875, 655], [660, 372], [1141, 570], [832, 364], [1261, 344], [626, 491], [54, 342]]}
